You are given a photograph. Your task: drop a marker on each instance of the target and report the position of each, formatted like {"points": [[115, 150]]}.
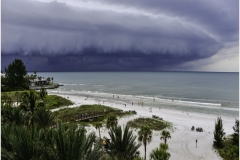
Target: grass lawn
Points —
{"points": [[51, 101], [11, 95]]}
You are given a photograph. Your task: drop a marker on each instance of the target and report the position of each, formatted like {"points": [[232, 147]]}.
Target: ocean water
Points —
{"points": [[202, 92]]}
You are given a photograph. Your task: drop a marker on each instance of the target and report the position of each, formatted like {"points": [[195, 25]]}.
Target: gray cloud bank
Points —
{"points": [[115, 35]]}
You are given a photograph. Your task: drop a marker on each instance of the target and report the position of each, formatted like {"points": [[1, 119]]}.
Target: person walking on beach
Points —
{"points": [[132, 103], [150, 109]]}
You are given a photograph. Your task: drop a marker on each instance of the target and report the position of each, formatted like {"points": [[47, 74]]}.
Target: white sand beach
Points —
{"points": [[182, 145]]}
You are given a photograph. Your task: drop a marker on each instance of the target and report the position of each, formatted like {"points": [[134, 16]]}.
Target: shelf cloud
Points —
{"points": [[123, 35]]}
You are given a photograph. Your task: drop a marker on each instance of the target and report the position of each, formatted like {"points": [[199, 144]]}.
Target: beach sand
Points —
{"points": [[182, 145]]}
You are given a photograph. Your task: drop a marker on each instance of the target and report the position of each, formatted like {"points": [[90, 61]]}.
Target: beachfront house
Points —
{"points": [[36, 83]]}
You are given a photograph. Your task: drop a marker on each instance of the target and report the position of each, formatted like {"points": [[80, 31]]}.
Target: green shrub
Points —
{"points": [[54, 101], [228, 151], [152, 123]]}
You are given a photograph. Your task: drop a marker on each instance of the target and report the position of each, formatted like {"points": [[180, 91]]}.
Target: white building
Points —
{"points": [[35, 82]]}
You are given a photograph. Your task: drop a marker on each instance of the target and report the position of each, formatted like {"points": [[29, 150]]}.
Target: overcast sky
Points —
{"points": [[107, 35]]}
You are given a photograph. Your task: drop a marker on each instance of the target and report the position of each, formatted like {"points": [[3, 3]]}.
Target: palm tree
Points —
{"points": [[145, 136], [98, 126], [29, 104], [122, 145], [19, 117], [218, 133], [165, 135], [31, 77], [11, 115], [160, 153], [42, 93], [112, 121], [48, 79], [6, 114], [71, 143], [44, 118], [164, 146], [16, 143]]}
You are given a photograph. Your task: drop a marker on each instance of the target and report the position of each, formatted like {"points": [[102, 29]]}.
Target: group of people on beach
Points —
{"points": [[140, 103]]}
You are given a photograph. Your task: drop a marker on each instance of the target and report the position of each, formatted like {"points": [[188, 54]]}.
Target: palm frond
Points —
{"points": [[122, 145]]}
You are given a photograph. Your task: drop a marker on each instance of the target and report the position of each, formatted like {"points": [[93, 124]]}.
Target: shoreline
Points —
{"points": [[170, 103], [182, 144]]}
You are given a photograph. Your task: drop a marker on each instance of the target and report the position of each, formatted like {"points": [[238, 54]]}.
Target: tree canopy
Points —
{"points": [[236, 132], [145, 136], [122, 145], [165, 135], [15, 75], [160, 153], [112, 121], [218, 133]]}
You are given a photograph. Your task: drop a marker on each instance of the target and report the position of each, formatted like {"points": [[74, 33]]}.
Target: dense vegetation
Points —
{"points": [[160, 153], [70, 113], [27, 134], [227, 147], [51, 101], [13, 95], [15, 75], [54, 101], [85, 109], [123, 145], [66, 142]]}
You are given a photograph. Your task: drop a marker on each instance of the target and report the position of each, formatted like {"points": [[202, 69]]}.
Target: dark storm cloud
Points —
{"points": [[107, 35], [218, 18]]}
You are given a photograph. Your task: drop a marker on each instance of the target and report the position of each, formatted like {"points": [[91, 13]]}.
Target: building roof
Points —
{"points": [[36, 80]]}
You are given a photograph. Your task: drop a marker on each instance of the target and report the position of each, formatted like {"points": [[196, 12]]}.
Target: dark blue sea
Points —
{"points": [[202, 92]]}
